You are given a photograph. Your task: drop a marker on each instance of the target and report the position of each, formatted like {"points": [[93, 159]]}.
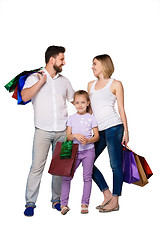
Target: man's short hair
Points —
{"points": [[53, 51]]}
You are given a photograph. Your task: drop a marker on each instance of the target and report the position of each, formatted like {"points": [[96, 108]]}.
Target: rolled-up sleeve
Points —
{"points": [[30, 81]]}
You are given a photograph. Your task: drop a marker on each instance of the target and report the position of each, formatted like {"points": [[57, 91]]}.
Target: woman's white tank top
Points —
{"points": [[102, 103]]}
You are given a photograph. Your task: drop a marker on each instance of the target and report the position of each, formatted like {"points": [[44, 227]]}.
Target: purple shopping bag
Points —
{"points": [[130, 171]]}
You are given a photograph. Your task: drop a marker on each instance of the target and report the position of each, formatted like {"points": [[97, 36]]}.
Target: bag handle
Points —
{"points": [[125, 145], [66, 137]]}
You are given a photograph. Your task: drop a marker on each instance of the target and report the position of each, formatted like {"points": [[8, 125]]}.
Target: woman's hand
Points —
{"points": [[125, 138]]}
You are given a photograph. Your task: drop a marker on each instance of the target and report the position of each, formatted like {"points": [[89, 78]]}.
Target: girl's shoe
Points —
{"points": [[84, 210], [64, 210]]}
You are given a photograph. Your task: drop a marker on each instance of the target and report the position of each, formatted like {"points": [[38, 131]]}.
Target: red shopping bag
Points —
{"points": [[63, 167]]}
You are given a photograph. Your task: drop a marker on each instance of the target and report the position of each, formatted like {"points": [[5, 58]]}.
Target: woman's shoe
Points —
{"points": [[102, 206], [102, 210]]}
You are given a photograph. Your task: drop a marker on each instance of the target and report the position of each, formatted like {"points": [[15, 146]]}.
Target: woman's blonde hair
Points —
{"points": [[108, 67]]}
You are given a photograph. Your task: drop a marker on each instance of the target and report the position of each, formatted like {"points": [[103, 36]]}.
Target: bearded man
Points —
{"points": [[48, 90]]}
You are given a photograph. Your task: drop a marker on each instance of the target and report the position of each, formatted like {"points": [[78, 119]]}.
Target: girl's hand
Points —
{"points": [[85, 141], [81, 138], [125, 139]]}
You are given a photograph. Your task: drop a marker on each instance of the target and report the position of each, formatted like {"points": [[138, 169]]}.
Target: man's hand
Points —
{"points": [[29, 93], [42, 77]]}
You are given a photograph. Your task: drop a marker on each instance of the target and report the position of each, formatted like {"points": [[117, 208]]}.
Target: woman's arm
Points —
{"points": [[89, 86], [88, 90], [119, 92]]}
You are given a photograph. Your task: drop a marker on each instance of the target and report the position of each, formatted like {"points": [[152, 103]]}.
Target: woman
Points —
{"points": [[113, 129]]}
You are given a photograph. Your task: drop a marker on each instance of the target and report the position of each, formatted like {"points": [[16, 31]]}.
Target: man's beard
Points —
{"points": [[57, 68]]}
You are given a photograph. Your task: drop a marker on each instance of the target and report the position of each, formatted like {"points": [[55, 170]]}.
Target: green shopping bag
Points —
{"points": [[66, 149]]}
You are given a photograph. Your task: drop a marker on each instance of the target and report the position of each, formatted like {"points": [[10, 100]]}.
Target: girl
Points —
{"points": [[113, 129], [79, 129]]}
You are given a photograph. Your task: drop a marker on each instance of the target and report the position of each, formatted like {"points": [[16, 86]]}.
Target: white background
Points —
{"points": [[129, 32]]}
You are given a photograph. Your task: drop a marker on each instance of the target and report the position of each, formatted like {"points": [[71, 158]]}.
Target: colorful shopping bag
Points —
{"points": [[130, 171], [17, 83], [145, 166], [66, 149], [142, 166], [143, 178]]}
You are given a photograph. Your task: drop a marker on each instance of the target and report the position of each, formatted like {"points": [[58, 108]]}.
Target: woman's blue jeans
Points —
{"points": [[112, 138]]}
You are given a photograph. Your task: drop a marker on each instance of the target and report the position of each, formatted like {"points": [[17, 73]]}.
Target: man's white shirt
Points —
{"points": [[49, 104]]}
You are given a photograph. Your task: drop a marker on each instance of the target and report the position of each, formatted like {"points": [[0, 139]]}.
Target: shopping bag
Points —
{"points": [[13, 83], [143, 167], [63, 167], [143, 178], [17, 83], [66, 149], [130, 171], [146, 167]]}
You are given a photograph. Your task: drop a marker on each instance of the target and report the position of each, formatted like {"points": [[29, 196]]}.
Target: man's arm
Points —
{"points": [[28, 93]]}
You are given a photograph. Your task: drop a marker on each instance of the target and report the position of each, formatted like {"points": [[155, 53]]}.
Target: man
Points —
{"points": [[48, 91]]}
